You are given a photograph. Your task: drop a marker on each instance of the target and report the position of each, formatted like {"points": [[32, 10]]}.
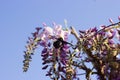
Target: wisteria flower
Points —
{"points": [[111, 34], [59, 32], [64, 60]]}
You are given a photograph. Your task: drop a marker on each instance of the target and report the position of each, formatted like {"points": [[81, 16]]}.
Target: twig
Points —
{"points": [[74, 32]]}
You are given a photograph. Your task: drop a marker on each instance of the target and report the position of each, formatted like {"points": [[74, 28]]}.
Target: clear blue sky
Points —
{"points": [[18, 18]]}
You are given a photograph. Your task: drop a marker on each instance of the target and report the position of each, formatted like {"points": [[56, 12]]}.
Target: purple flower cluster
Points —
{"points": [[64, 60]]}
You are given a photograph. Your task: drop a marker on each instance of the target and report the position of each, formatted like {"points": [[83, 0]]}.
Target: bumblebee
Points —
{"points": [[59, 43]]}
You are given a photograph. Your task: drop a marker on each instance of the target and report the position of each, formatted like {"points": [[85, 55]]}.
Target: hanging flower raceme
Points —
{"points": [[55, 51], [64, 60]]}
